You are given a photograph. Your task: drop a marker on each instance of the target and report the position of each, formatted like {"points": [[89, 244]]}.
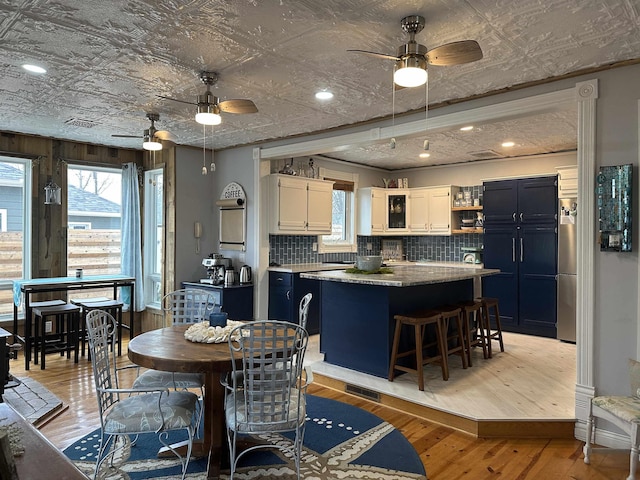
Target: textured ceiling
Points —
{"points": [[108, 60]]}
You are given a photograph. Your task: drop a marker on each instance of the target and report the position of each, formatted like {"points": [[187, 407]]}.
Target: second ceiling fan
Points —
{"points": [[209, 106], [413, 58]]}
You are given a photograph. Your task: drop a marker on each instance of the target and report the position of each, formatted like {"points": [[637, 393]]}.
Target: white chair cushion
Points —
{"points": [[626, 408], [160, 379], [139, 413], [237, 421]]}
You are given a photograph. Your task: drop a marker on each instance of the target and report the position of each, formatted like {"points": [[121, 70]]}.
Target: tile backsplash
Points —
{"points": [[285, 249]]}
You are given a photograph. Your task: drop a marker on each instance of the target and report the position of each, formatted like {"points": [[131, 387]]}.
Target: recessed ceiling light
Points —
{"points": [[324, 95], [508, 144], [33, 68], [467, 128], [424, 155]]}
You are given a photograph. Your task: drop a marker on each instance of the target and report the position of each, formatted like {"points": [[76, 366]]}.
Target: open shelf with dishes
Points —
{"points": [[473, 225]]}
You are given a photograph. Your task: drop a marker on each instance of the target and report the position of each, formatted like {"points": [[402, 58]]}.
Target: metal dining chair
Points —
{"points": [[128, 412], [265, 392]]}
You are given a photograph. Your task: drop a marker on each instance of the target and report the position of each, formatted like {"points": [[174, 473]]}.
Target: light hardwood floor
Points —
{"points": [[446, 453]]}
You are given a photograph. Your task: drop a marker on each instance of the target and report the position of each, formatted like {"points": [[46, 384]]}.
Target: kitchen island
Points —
{"points": [[356, 312]]}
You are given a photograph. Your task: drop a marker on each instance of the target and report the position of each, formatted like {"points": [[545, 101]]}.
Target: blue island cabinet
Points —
{"points": [[357, 324]]}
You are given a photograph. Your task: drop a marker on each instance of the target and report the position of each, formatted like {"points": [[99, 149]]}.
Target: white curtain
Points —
{"points": [[131, 254]]}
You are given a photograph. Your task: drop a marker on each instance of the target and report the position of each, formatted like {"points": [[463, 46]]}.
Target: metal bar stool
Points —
{"points": [[496, 334], [65, 338], [455, 334], [113, 307], [475, 328], [419, 321]]}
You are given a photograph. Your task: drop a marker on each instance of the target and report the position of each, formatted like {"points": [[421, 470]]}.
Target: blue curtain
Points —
{"points": [[131, 254]]}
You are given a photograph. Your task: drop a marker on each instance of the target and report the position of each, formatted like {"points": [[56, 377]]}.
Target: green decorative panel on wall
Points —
{"points": [[614, 184]]}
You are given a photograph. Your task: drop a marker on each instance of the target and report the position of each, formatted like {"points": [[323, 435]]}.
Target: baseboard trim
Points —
{"points": [[478, 428]]}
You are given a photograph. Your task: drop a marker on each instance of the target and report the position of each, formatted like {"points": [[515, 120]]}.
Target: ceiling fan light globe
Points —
{"points": [[208, 118], [410, 77], [152, 145]]}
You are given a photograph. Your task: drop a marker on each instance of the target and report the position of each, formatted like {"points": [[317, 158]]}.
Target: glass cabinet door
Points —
{"points": [[397, 211]]}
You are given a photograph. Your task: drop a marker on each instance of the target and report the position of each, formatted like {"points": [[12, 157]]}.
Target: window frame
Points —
{"points": [[151, 256], [113, 170], [27, 215], [351, 214]]}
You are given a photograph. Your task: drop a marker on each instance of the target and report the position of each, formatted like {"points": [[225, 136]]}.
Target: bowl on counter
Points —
{"points": [[368, 263]]}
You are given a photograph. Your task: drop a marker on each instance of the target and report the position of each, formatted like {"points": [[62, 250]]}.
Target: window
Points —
{"points": [[15, 227], [93, 212], [343, 230], [153, 236]]}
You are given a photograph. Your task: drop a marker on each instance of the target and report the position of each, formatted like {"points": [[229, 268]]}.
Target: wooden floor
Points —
{"points": [[446, 453], [532, 381]]}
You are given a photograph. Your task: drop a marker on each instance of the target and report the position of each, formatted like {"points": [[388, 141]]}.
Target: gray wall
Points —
{"points": [[194, 203]]}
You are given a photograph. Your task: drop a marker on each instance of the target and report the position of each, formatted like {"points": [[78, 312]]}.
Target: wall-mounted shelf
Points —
{"points": [[467, 209], [467, 231]]}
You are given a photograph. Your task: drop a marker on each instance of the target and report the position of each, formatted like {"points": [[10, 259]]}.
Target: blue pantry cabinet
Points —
{"points": [[521, 239]]}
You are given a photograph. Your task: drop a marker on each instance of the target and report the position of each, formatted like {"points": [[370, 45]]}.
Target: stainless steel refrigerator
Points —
{"points": [[567, 235]]}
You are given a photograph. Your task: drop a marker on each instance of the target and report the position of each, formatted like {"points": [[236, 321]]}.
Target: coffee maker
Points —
{"points": [[216, 266]]}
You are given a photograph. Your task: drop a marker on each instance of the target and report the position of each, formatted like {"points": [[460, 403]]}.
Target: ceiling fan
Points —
{"points": [[413, 58], [151, 137], [209, 106]]}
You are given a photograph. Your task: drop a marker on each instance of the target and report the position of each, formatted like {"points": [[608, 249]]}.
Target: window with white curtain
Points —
{"points": [[153, 236], [343, 221], [15, 227]]}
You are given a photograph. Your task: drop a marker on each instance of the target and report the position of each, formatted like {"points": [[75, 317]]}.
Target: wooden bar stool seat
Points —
{"points": [[419, 321], [475, 328], [454, 340], [113, 307], [65, 337], [496, 334]]}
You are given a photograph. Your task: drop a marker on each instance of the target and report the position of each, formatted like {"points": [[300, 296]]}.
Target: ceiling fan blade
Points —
{"points": [[127, 136], [176, 100], [238, 106], [455, 53], [375, 54], [165, 135]]}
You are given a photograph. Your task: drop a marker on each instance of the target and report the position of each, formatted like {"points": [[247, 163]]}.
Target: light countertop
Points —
{"points": [[405, 275], [321, 267]]}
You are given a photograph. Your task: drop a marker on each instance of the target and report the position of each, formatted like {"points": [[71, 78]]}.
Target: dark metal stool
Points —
{"points": [[113, 307], [65, 338], [419, 321]]}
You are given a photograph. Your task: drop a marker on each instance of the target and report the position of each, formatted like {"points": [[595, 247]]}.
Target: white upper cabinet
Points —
{"points": [[440, 215], [300, 206], [420, 211], [383, 211]]}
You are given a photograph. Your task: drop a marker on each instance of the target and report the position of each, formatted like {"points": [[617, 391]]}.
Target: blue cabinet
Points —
{"points": [[236, 300], [285, 292], [520, 239]]}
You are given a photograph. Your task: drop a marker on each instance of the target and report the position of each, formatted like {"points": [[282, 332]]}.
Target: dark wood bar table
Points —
{"points": [[41, 459], [24, 289], [166, 349]]}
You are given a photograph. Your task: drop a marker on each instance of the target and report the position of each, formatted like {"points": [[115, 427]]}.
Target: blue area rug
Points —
{"points": [[341, 442]]}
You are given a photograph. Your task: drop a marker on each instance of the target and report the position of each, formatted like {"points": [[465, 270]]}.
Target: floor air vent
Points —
{"points": [[362, 392]]}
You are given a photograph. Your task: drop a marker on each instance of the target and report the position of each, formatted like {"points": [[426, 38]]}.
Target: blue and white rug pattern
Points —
{"points": [[341, 442]]}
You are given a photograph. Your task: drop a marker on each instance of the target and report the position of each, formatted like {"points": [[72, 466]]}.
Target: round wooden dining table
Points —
{"points": [[166, 349]]}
